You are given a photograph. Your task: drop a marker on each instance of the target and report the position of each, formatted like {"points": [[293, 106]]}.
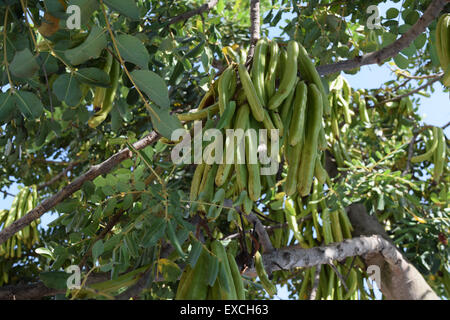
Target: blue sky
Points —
{"points": [[434, 110]]}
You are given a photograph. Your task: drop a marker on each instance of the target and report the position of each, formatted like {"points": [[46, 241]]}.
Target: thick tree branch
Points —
{"points": [[76, 185], [187, 15], [393, 49], [400, 280]]}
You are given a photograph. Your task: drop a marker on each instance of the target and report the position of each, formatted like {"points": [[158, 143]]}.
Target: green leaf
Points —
{"points": [[93, 76], [195, 252], [420, 41], [55, 279], [97, 249], [45, 253], [401, 61], [91, 48], [410, 51], [213, 269], [169, 270], [133, 50], [154, 232], [68, 206], [67, 88], [29, 104], [24, 64], [392, 13], [126, 7], [6, 106], [153, 85], [166, 124]]}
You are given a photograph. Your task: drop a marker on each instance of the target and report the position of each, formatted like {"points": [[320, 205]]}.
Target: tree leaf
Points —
{"points": [[153, 85], [29, 104], [67, 88], [93, 76], [392, 13], [6, 106], [195, 252], [24, 64], [166, 123], [169, 270], [45, 253], [97, 249], [55, 279], [133, 50], [126, 7], [91, 48], [401, 61]]}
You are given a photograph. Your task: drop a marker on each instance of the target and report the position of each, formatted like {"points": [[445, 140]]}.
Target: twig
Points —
{"points": [[446, 126], [185, 16], [429, 76], [122, 62], [331, 264], [410, 154], [262, 232], [111, 223], [393, 49], [59, 176], [268, 228], [399, 97], [48, 89], [7, 193], [5, 55]]}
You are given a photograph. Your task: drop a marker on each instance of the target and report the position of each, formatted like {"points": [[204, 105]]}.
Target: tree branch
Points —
{"points": [[59, 176], [399, 97], [254, 27], [391, 50], [263, 236], [400, 280], [187, 15], [429, 76], [76, 185], [296, 257]]}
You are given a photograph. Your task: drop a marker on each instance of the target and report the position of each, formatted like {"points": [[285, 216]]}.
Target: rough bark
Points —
{"points": [[255, 27], [400, 280]]}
